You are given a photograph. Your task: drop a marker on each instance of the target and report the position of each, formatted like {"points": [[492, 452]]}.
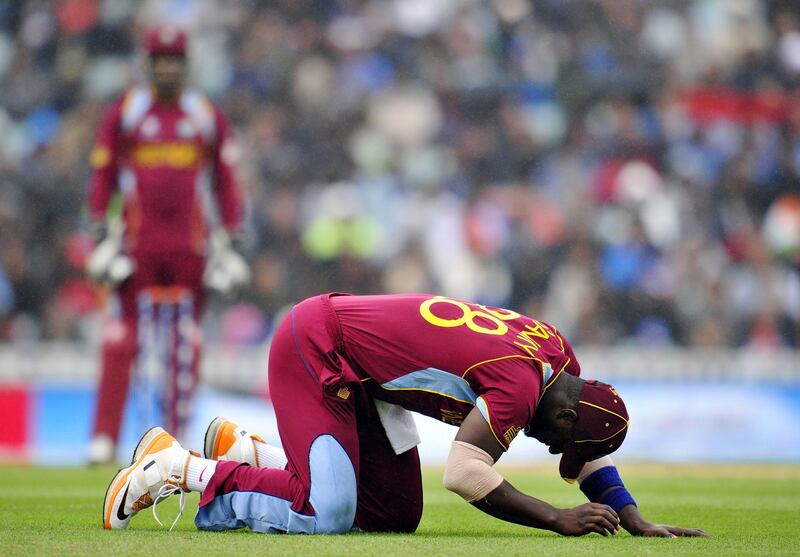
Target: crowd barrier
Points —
{"points": [[685, 405]]}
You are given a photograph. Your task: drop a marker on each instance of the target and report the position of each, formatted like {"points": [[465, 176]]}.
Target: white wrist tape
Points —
{"points": [[469, 472]]}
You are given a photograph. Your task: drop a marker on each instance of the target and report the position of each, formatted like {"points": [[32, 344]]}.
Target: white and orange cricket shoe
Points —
{"points": [[227, 441], [157, 470]]}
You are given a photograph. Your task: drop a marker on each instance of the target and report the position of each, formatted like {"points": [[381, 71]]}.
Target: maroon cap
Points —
{"points": [[601, 428], [166, 40]]}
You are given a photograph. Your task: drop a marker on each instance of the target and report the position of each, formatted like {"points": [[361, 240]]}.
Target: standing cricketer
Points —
{"points": [[168, 151], [335, 362]]}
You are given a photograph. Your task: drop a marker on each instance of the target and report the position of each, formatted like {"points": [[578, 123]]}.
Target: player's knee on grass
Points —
{"points": [[333, 486], [407, 520], [394, 515]]}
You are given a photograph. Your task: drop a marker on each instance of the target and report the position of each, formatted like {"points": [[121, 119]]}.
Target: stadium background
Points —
{"points": [[625, 169]]}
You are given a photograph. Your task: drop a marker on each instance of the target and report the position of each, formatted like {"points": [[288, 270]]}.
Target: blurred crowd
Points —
{"points": [[628, 170]]}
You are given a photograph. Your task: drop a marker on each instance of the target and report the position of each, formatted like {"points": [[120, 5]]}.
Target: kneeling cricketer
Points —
{"points": [[344, 372]]}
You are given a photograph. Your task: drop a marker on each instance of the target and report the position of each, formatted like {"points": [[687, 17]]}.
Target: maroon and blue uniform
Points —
{"points": [[172, 163], [330, 357]]}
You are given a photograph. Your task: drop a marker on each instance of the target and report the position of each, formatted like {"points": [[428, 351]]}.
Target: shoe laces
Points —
{"points": [[165, 491]]}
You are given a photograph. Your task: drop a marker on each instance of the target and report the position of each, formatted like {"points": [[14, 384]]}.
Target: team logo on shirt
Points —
{"points": [[510, 434], [452, 417], [167, 155], [343, 393]]}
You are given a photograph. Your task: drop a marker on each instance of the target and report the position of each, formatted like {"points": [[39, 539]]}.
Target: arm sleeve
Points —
{"points": [[226, 190], [104, 161], [469, 472]]}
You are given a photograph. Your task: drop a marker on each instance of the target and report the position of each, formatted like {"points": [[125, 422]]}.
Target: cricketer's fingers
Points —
{"points": [[605, 521], [686, 532], [606, 526], [608, 514]]}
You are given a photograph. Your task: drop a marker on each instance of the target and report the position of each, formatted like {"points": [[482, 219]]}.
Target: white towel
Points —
{"points": [[399, 425]]}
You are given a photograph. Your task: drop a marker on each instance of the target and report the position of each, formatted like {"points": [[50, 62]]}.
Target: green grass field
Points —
{"points": [[750, 510]]}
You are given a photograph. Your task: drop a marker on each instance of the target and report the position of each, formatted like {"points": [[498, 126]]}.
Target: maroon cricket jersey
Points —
{"points": [[441, 357], [171, 161]]}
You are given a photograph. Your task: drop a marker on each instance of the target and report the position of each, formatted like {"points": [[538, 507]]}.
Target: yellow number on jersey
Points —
{"points": [[468, 316]]}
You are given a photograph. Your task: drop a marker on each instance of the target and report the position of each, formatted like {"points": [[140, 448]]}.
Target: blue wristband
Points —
{"points": [[618, 498], [599, 481], [605, 486]]}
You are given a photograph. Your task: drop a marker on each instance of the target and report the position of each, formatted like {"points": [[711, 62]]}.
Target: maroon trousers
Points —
{"points": [[121, 343], [341, 472]]}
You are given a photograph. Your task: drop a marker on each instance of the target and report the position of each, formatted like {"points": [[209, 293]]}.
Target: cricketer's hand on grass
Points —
{"points": [[633, 521], [477, 482]]}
